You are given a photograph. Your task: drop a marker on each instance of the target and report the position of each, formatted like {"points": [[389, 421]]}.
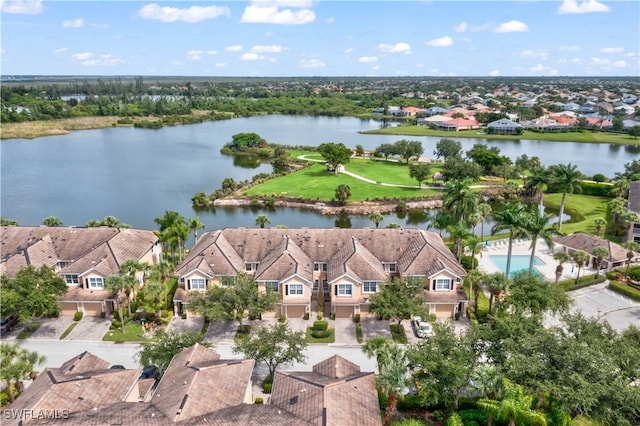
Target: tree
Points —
{"points": [[194, 225], [459, 199], [379, 347], [408, 149], [274, 345], [385, 150], [459, 168], [52, 221], [474, 244], [262, 220], [458, 232], [376, 217], [487, 157], [531, 294], [33, 292], [474, 277], [537, 226], [17, 364], [580, 257], [567, 177], [514, 406], [117, 284], [631, 247], [154, 292], [447, 148], [334, 154], [561, 257], [536, 183], [600, 254], [248, 140], [393, 379], [419, 172], [511, 217], [599, 223], [359, 150], [173, 232], [234, 302], [440, 221], [8, 222], [343, 193], [495, 284], [161, 350], [620, 188], [485, 210], [634, 131], [396, 299]]}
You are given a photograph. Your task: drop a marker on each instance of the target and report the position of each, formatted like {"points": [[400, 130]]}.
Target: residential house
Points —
{"points": [[343, 267], [458, 124], [83, 257], [587, 242], [633, 233], [504, 126]]}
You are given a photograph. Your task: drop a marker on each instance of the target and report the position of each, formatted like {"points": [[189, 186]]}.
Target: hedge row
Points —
{"points": [[584, 281], [624, 289]]}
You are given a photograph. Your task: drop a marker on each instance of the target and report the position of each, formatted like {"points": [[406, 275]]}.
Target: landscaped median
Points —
{"points": [[629, 290], [321, 333]]}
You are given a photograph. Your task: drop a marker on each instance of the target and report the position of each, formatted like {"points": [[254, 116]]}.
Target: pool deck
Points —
{"points": [[521, 248]]}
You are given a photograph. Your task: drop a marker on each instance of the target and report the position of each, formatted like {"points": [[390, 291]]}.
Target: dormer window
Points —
{"points": [[251, 266], [320, 266], [389, 267]]}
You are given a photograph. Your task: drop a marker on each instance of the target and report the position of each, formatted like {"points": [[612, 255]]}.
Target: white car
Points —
{"points": [[422, 328]]}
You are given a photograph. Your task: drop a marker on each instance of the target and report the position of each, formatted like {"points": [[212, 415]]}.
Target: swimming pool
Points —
{"points": [[518, 262]]}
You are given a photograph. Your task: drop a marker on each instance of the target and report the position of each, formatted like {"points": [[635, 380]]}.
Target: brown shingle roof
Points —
{"points": [[634, 196], [286, 260], [587, 242]]}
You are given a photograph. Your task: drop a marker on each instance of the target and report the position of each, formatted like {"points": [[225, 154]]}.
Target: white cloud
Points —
{"points": [[260, 14], [619, 64], [538, 53], [21, 7], [368, 59], [539, 68], [190, 15], [311, 63], [568, 48], [576, 61], [212, 52], [61, 50], [512, 27], [588, 6], [235, 48], [195, 55], [463, 27], [73, 23], [396, 48], [177, 63], [612, 50], [274, 48], [440, 42], [494, 73], [221, 64], [348, 51], [375, 67], [82, 56], [331, 20], [103, 61], [250, 56]]}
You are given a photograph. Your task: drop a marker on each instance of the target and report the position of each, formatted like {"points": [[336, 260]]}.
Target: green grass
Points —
{"points": [[398, 334], [315, 183], [132, 333], [242, 334], [330, 339], [583, 210], [586, 136], [483, 301], [359, 332], [28, 330], [68, 330]]}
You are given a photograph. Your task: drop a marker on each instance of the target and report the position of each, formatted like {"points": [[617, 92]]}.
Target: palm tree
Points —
{"points": [[376, 346], [392, 380], [617, 207], [110, 221], [537, 226], [567, 177], [155, 291], [165, 269], [631, 247], [473, 219], [561, 257], [458, 231], [194, 225], [376, 217], [580, 257], [496, 284], [600, 253], [12, 369], [473, 278], [486, 380], [343, 193], [620, 187], [599, 223], [52, 221], [262, 220], [459, 199], [511, 217], [474, 244], [539, 179], [440, 221], [116, 284], [514, 406], [485, 210], [130, 285]]}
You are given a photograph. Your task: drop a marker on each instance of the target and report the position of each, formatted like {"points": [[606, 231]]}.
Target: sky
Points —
{"points": [[280, 38]]}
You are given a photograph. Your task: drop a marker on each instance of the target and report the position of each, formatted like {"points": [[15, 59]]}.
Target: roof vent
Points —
{"points": [[294, 400]]}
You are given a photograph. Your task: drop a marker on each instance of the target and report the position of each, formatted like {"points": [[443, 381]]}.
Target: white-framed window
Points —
{"points": [[320, 266], [344, 290], [442, 284], [295, 290], [197, 284], [72, 280], [96, 282], [316, 284], [251, 266], [369, 286], [273, 285], [389, 267]]}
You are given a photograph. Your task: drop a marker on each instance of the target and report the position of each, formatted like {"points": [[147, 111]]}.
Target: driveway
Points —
{"points": [[52, 328], [222, 331], [372, 326], [90, 328], [192, 323], [345, 330]]}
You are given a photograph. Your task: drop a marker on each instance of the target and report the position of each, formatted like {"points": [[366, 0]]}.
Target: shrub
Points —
{"points": [[359, 333], [437, 415], [590, 188], [409, 402], [634, 274], [382, 399], [266, 387], [184, 315], [356, 318], [255, 204], [4, 398], [320, 334], [115, 324], [166, 313], [333, 315], [306, 316], [258, 401], [319, 315], [625, 290], [599, 177], [77, 316], [103, 314], [401, 206], [477, 416], [466, 262], [282, 318], [320, 325], [116, 315]]}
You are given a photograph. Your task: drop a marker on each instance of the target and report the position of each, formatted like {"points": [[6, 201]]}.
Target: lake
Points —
{"points": [[138, 174]]}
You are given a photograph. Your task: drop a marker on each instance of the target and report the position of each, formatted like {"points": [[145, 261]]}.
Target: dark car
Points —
{"points": [[150, 372], [8, 323], [117, 367]]}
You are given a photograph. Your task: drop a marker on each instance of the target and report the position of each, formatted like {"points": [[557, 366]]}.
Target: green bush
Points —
{"points": [[320, 334], [590, 188], [634, 274], [166, 313], [320, 325], [77, 316], [359, 332], [258, 401], [383, 401], [624, 289], [319, 315], [282, 318], [4, 398], [599, 177], [115, 324], [103, 314], [306, 316], [584, 281], [409, 402], [116, 315], [356, 318], [477, 416], [266, 387], [184, 315], [466, 262]]}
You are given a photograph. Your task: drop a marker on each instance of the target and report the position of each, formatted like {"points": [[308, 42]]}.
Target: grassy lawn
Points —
{"points": [[583, 210], [242, 334], [329, 339], [398, 334], [132, 333], [28, 330], [68, 330], [315, 183], [587, 136], [359, 332]]}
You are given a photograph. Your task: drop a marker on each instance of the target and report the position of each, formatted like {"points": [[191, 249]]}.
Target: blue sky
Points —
{"points": [[266, 38]]}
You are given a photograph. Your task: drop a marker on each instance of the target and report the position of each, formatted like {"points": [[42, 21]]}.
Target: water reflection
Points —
{"points": [[343, 220], [632, 149], [247, 161]]}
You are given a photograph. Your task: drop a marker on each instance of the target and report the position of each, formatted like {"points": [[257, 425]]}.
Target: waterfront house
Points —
{"points": [[504, 126], [633, 233]]}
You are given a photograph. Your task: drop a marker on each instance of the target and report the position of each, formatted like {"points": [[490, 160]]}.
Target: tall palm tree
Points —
{"points": [[12, 369], [485, 210], [194, 225], [561, 257], [511, 217], [514, 406], [165, 269], [631, 247], [458, 232], [262, 220], [620, 188], [496, 284], [377, 346], [580, 257], [154, 291], [474, 277], [537, 226], [474, 244], [116, 284], [343, 193], [459, 199], [393, 379], [600, 253], [440, 221], [600, 223], [376, 217], [536, 183], [567, 177], [473, 219]]}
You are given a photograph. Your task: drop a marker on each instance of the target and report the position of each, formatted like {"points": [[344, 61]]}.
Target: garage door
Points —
{"points": [[272, 314], [92, 309], [68, 308], [343, 311], [444, 311], [295, 311]]}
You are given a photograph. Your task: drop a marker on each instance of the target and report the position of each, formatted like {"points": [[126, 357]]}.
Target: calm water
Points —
{"points": [[137, 174]]}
